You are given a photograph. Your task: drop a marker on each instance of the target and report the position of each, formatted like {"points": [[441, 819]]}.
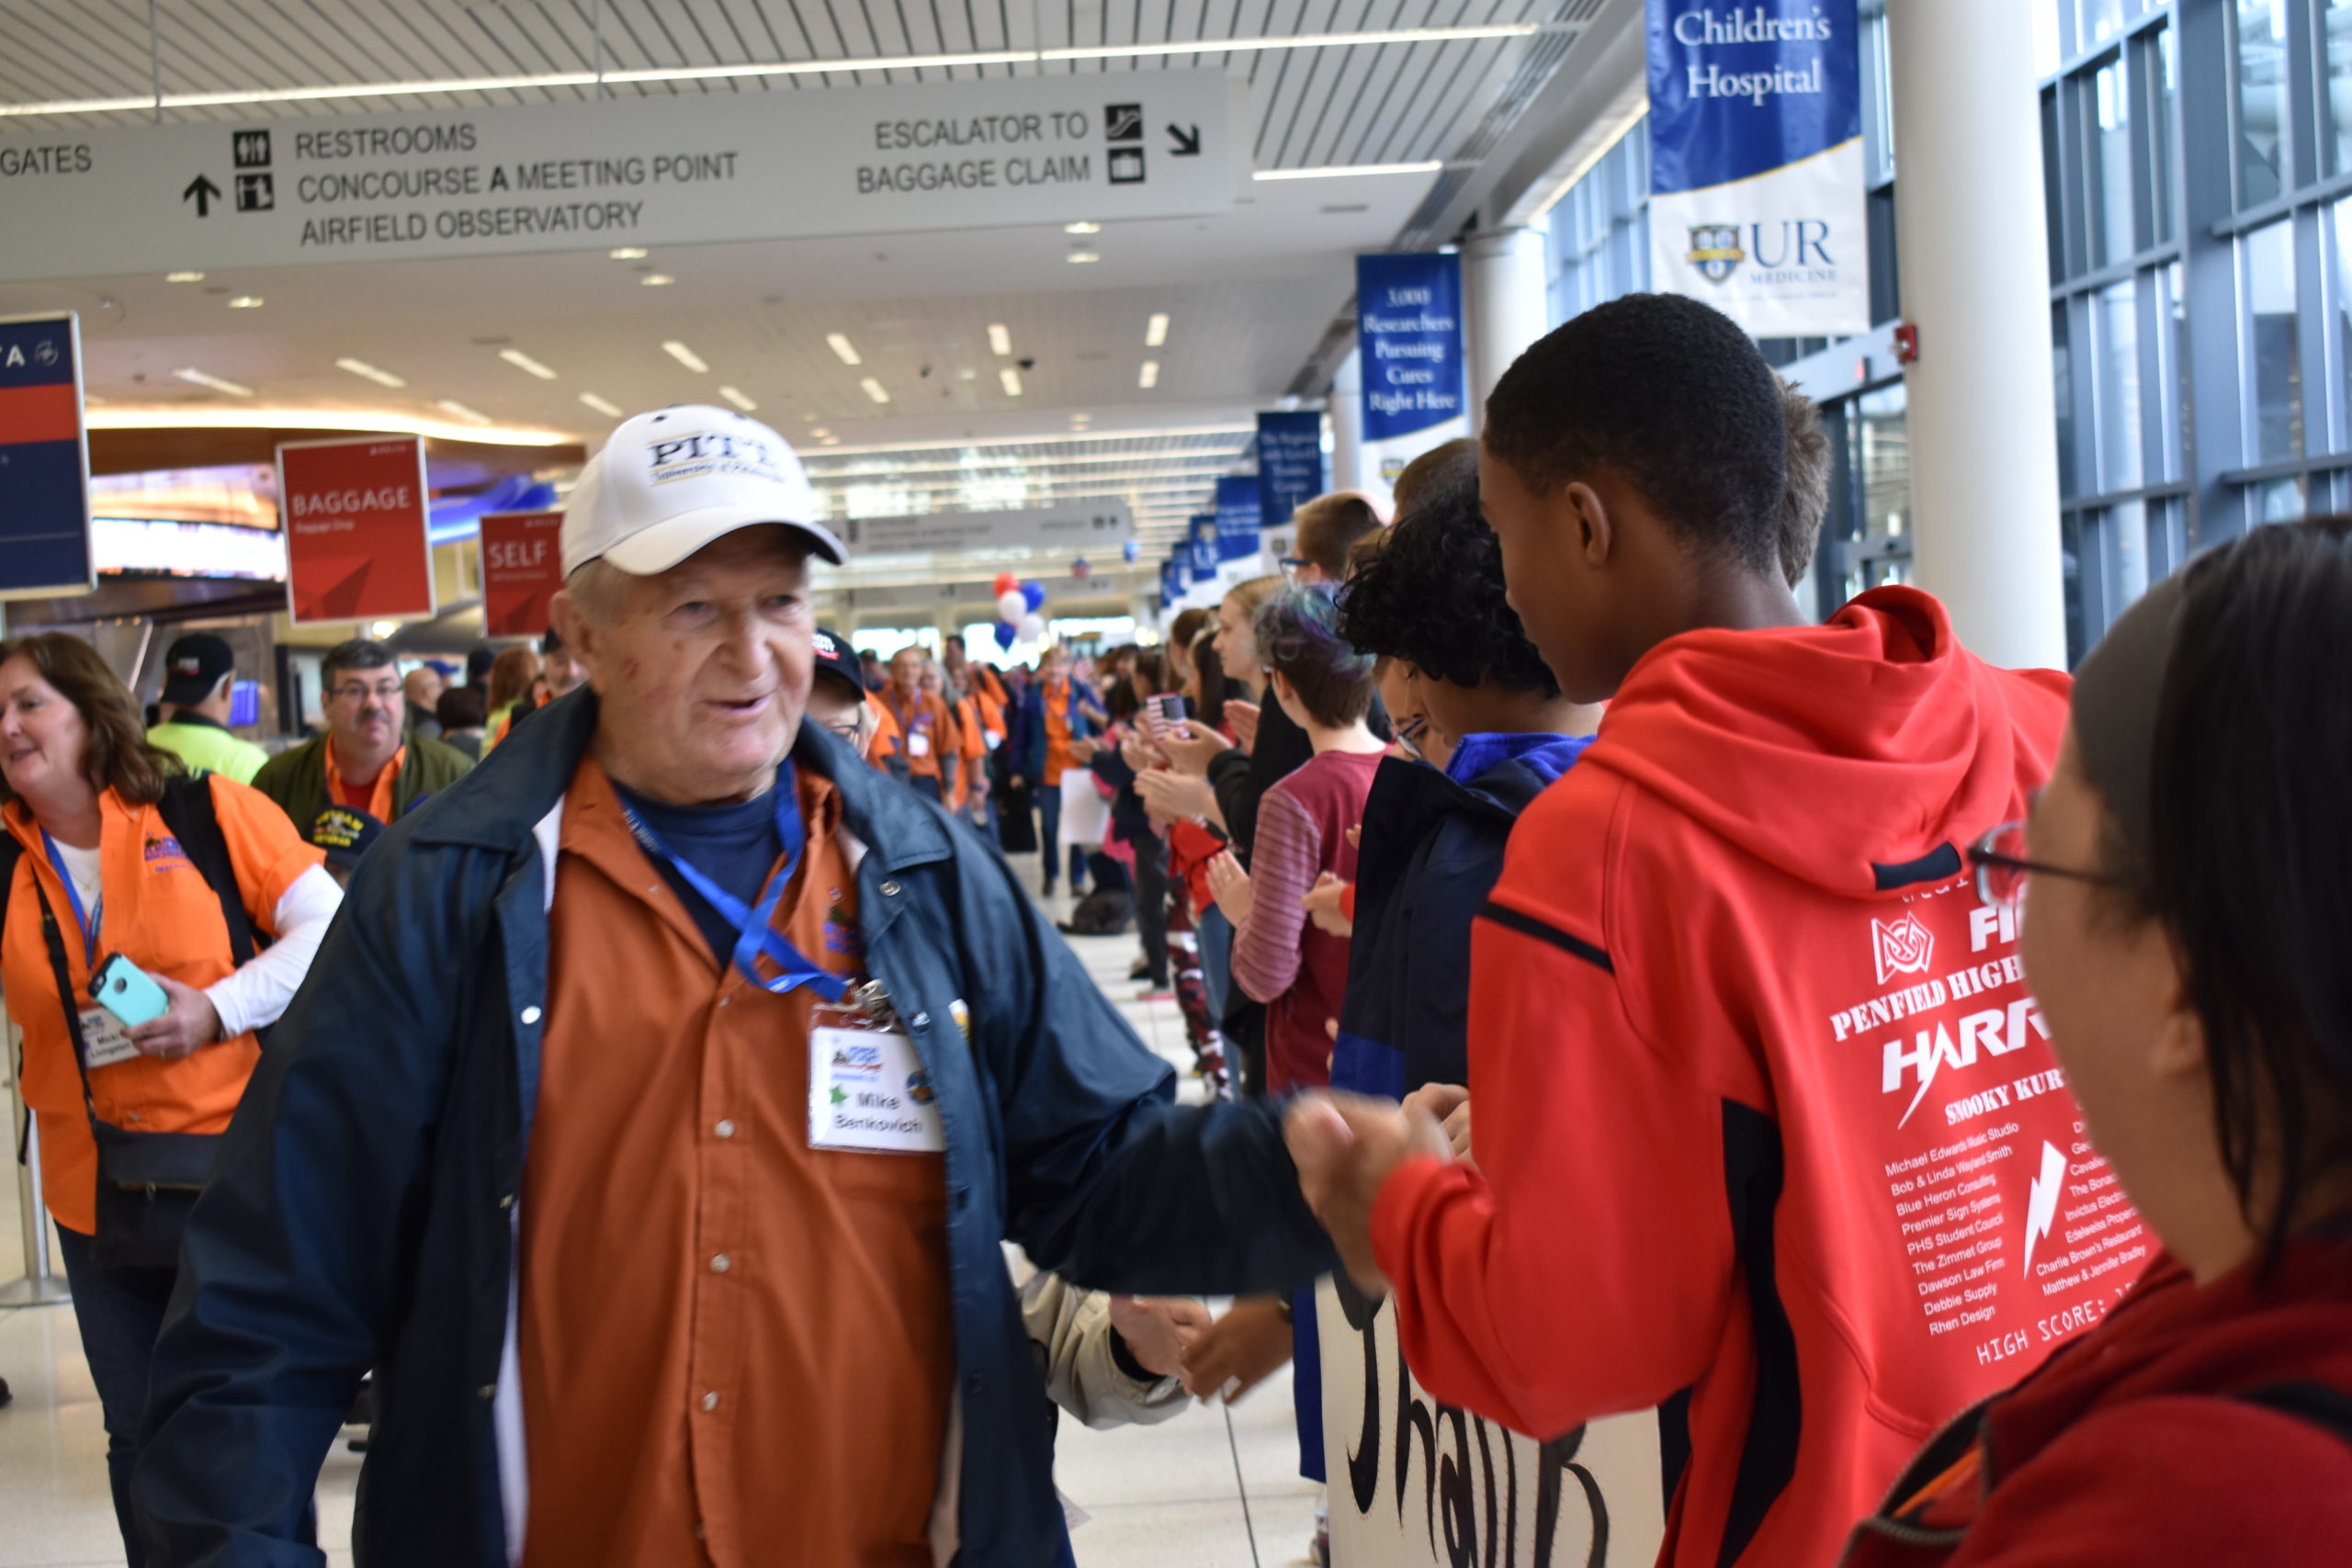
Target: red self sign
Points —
{"points": [[522, 566], [355, 542]]}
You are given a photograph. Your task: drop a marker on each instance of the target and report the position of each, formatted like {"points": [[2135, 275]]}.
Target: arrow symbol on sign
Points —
{"points": [[205, 194], [1187, 140]]}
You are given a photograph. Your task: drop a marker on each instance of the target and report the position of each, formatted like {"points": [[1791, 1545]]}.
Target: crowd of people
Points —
{"points": [[1928, 1087]]}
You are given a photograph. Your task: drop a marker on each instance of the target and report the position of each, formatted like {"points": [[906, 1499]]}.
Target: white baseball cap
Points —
{"points": [[669, 483]]}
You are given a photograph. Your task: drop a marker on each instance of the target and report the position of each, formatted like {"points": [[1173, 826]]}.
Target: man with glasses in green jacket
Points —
{"points": [[366, 760]]}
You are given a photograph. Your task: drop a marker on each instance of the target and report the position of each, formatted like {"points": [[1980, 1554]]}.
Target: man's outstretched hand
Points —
{"points": [[1345, 1145]]}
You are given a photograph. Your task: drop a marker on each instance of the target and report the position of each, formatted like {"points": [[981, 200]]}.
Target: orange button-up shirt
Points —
{"points": [[928, 716], [160, 913], [734, 1349], [1057, 757]]}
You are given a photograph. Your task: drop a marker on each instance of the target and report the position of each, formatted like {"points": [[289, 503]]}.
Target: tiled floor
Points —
{"points": [[1157, 1496]]}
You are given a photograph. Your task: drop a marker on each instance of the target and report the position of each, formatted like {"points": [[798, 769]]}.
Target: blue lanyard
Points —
{"points": [[755, 934], [89, 919]]}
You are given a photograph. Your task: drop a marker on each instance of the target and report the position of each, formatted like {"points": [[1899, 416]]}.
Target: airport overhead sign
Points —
{"points": [[1078, 528], [44, 461], [356, 513], [522, 571], [593, 175]]}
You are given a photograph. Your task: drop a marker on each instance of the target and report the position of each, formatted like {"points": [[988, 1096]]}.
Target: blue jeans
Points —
{"points": [[1049, 826], [1216, 959], [118, 1312]]}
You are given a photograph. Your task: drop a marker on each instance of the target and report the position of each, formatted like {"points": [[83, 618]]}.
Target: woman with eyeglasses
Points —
{"points": [[130, 894], [2183, 895]]}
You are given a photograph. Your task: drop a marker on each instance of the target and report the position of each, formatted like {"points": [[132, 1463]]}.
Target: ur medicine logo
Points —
{"points": [[1715, 253], [1904, 947]]}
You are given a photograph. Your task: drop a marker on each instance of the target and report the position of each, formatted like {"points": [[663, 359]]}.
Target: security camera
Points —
{"points": [[1026, 363], [926, 372]]}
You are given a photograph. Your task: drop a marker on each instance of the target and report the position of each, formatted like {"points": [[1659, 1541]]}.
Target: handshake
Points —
{"points": [[1345, 1145]]}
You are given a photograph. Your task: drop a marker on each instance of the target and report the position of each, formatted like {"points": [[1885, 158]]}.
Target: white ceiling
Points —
{"points": [[1251, 295]]}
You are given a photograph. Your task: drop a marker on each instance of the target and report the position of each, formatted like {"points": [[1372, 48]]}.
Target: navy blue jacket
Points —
{"points": [[362, 1213], [1029, 725], [1432, 850]]}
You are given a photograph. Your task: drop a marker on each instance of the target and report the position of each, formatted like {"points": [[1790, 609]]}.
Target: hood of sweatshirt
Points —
{"points": [[1513, 767], [1861, 756]]}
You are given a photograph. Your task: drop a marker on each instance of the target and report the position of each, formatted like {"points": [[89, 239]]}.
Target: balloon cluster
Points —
{"points": [[1017, 607]]}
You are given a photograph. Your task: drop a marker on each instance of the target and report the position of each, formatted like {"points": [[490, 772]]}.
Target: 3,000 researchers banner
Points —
{"points": [[1756, 163], [1408, 328]]}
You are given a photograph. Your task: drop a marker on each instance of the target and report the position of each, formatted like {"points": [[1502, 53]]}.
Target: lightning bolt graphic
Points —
{"points": [[1935, 1054], [2041, 1208]]}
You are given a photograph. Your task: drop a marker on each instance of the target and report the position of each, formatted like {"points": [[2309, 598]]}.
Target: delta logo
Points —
{"points": [[162, 853], [1904, 947]]}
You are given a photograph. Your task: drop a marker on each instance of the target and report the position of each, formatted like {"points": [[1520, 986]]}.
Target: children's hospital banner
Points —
{"points": [[1757, 203], [1415, 1483]]}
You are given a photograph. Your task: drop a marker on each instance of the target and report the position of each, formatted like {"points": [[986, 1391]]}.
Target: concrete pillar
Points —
{"points": [[1972, 236], [1346, 411], [1508, 306]]}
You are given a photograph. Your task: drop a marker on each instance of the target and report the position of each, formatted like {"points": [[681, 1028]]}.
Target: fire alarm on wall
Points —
{"points": [[1906, 342]]}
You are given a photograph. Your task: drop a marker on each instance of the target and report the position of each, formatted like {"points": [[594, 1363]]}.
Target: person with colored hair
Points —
{"points": [[2183, 895], [1736, 1023], [112, 855]]}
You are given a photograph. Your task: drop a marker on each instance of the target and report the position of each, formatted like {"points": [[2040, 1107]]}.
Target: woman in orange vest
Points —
{"points": [[114, 862]]}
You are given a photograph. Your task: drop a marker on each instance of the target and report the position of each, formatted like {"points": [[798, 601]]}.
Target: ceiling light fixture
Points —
{"points": [[1012, 379], [1155, 331], [522, 361], [199, 377], [471, 416], [821, 433], [245, 303], [657, 281], [1081, 227], [361, 367], [843, 350], [1339, 171], [738, 399], [600, 405], [183, 278], [1079, 258], [999, 339], [182, 416], [875, 389], [685, 355], [1149, 377], [627, 252], [438, 86]]}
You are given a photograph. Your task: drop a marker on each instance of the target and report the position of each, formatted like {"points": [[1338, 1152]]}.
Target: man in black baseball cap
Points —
{"points": [[837, 693], [200, 675], [346, 835]]}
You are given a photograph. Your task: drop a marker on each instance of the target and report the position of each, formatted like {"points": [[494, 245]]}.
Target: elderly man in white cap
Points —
{"points": [[669, 1088]]}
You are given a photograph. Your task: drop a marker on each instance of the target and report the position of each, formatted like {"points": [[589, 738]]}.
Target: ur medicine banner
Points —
{"points": [[44, 463], [1757, 203], [521, 570], [1408, 328], [355, 513]]}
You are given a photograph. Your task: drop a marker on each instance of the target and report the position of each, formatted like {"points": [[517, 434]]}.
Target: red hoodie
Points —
{"points": [[1764, 1113], [2201, 1424]]}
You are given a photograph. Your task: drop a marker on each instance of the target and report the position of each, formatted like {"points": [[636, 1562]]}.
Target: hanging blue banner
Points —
{"points": [[1409, 326], [1172, 576], [1201, 547], [1757, 201], [1290, 464], [1238, 513], [44, 461]]}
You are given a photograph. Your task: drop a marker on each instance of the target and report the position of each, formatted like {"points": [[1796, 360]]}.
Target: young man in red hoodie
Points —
{"points": [[1769, 1133]]}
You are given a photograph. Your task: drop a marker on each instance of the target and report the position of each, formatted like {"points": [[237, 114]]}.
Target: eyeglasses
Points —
{"points": [[1291, 566], [353, 691], [848, 731], [2002, 868]]}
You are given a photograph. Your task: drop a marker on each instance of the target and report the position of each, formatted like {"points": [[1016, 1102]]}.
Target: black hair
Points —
{"points": [[461, 708], [1671, 397], [1434, 596], [1208, 669], [359, 653], [2249, 855]]}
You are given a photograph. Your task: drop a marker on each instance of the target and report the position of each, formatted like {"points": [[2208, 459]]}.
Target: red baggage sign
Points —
{"points": [[355, 511]]}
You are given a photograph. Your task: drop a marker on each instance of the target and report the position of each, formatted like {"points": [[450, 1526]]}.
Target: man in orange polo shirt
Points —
{"points": [[660, 1134], [927, 739]]}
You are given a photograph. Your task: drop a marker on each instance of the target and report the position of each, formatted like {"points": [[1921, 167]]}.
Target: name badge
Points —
{"points": [[104, 1040], [918, 744], [867, 1091]]}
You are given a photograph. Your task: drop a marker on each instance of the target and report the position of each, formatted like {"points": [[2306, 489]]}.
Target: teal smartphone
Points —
{"points": [[127, 991]]}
